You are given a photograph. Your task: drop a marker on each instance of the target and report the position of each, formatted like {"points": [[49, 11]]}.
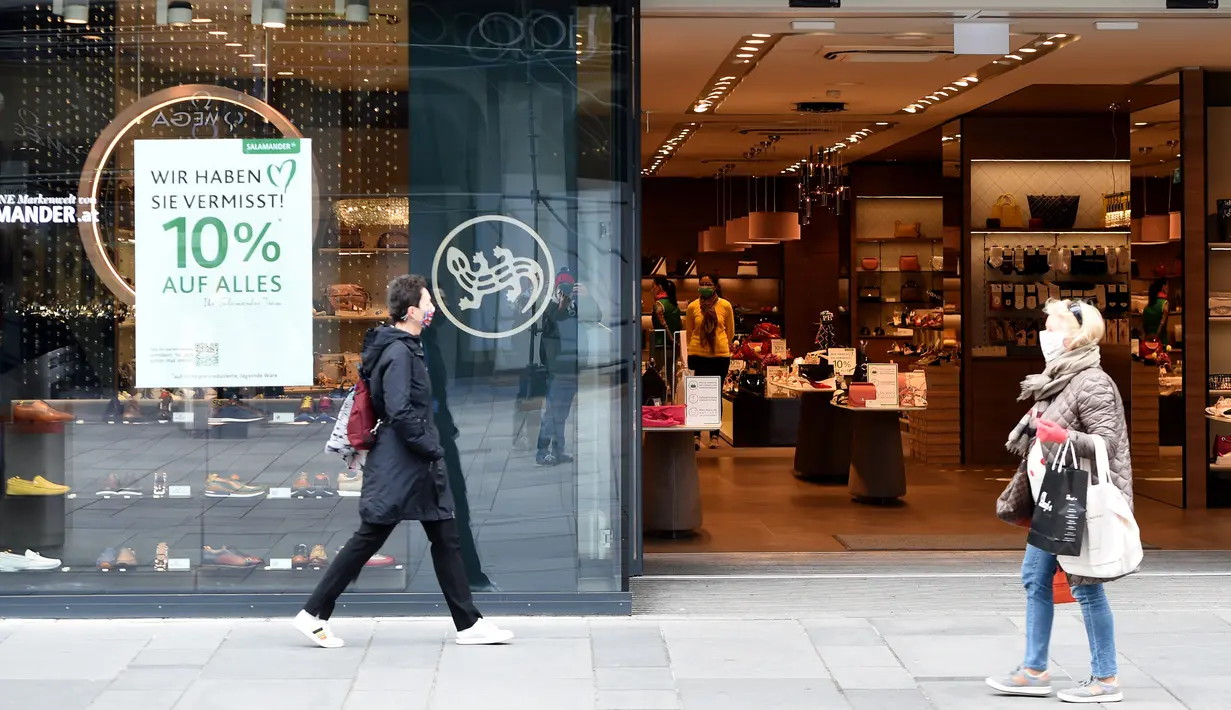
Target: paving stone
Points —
{"points": [[56, 695], [315, 663], [842, 632], [386, 699], [634, 679], [527, 661], [762, 694], [887, 700], [156, 679], [638, 700], [136, 700], [873, 678], [858, 657], [384, 678], [168, 657], [949, 657], [789, 657], [929, 625], [290, 692], [568, 694]]}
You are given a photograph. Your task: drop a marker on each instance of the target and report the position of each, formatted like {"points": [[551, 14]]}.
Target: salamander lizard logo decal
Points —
{"points": [[519, 275]]}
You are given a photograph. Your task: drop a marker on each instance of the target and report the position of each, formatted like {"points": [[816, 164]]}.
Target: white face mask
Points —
{"points": [[1052, 344]]}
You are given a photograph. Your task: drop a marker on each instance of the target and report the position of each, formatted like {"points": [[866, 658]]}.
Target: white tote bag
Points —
{"points": [[1111, 547]]}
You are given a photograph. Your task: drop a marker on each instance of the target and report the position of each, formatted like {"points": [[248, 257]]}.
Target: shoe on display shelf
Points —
{"points": [[300, 559], [160, 484], [1221, 408], [218, 487], [318, 558], [132, 410], [164, 406], [379, 560], [350, 484], [301, 488], [483, 633], [107, 559], [125, 487], [233, 412], [226, 558], [29, 562], [38, 487], [126, 558], [38, 412], [317, 631], [161, 554], [322, 487]]}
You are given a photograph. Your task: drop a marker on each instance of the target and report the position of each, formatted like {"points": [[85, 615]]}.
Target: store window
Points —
{"points": [[199, 213]]}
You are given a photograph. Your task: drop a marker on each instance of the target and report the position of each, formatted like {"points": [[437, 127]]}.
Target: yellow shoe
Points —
{"points": [[21, 487], [44, 483]]}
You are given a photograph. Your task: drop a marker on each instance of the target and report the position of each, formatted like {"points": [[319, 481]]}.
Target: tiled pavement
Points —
{"points": [[1169, 660]]}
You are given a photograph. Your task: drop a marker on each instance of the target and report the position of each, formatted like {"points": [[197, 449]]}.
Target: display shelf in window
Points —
{"points": [[365, 251]]}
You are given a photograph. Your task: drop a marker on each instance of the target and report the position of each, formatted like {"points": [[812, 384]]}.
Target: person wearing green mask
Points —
{"points": [[710, 327]]}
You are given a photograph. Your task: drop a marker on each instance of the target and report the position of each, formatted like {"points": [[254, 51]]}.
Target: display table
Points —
{"points": [[671, 489], [823, 439], [878, 471]]}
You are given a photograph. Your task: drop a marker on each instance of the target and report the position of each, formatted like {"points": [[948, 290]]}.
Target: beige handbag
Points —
{"points": [[1008, 212]]}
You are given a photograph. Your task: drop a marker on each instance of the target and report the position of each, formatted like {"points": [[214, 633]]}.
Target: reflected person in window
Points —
{"points": [[403, 476], [560, 350]]}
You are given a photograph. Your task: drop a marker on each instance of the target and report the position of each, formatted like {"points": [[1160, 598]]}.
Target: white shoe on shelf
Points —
{"points": [[483, 633], [317, 631], [13, 562]]}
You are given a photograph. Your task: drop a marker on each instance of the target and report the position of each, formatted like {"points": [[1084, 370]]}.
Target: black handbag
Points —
{"points": [[753, 382], [912, 292], [1055, 211]]}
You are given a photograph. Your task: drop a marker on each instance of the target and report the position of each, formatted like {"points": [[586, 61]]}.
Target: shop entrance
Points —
{"points": [[852, 182]]}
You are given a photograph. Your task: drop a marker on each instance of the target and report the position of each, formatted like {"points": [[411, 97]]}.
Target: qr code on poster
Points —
{"points": [[207, 354]]}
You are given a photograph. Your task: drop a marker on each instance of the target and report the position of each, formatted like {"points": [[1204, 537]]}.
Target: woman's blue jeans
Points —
{"points": [[1038, 569]]}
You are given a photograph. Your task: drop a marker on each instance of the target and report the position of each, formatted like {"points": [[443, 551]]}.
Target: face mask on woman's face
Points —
{"points": [[706, 291], [1052, 344]]}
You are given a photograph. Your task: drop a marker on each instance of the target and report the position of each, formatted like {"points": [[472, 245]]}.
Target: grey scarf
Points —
{"points": [[1043, 387]]}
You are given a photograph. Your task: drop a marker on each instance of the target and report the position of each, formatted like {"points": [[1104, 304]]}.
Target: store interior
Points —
{"points": [[894, 152]]}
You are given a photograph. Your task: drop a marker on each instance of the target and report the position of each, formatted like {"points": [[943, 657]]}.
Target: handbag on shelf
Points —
{"points": [[908, 262], [907, 230], [1007, 213], [938, 263], [912, 292], [869, 263], [393, 240], [1117, 210], [1056, 211], [349, 298], [869, 293], [350, 238]]}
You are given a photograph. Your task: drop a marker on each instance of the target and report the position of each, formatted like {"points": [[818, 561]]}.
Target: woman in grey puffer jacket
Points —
{"points": [[1074, 401]]}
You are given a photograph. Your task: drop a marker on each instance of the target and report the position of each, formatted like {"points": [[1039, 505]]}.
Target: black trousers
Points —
{"points": [[367, 541]]}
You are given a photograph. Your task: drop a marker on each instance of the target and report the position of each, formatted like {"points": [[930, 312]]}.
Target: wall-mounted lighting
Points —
{"points": [[1117, 26], [179, 13]]}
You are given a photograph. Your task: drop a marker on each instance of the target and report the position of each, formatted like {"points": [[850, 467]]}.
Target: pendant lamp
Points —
{"points": [[773, 226]]}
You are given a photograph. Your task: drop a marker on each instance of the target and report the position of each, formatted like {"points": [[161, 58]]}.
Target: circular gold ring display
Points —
{"points": [[100, 153]]}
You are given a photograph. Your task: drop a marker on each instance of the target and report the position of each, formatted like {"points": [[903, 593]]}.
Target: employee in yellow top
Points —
{"points": [[710, 326]]}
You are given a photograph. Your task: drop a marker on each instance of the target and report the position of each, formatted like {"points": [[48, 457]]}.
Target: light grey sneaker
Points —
{"points": [[1092, 690], [1020, 682]]}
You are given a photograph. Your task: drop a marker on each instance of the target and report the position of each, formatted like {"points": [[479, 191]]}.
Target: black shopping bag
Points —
{"points": [[1059, 521]]}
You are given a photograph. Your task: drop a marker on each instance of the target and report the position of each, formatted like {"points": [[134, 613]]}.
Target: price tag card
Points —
{"points": [[738, 365], [279, 492], [283, 418], [179, 491], [885, 378], [182, 417], [179, 564], [778, 347], [279, 563], [843, 360]]}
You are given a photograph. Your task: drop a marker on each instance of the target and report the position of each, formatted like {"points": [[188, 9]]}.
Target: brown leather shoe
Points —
{"points": [[300, 560], [127, 558], [318, 558], [38, 412]]}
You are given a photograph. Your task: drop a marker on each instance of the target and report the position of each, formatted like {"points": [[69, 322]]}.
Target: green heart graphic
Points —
{"points": [[281, 175]]}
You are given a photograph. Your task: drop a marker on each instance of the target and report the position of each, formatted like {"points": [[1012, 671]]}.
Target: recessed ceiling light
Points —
{"points": [[962, 83], [1012, 56], [763, 36], [750, 49], [218, 33], [95, 38], [727, 78], [934, 97], [245, 56], [744, 56], [1057, 36], [201, 20], [910, 109], [756, 41], [234, 44], [259, 65], [701, 109], [1121, 26], [1141, 123], [972, 79], [951, 88], [1048, 43], [286, 73], [1028, 50], [882, 123]]}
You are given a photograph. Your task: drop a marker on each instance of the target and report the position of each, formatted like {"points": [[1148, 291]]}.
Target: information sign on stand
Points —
{"points": [[703, 402], [778, 347], [885, 378], [843, 361]]}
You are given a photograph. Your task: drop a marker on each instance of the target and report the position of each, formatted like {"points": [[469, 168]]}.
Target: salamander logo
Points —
{"points": [[521, 279]]}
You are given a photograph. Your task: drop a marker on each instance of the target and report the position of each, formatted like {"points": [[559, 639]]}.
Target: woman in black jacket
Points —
{"points": [[403, 477]]}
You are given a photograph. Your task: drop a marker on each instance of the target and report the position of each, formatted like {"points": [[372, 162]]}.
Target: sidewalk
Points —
{"points": [[1169, 660]]}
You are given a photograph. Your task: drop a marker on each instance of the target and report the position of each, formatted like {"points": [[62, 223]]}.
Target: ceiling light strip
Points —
{"points": [[676, 138], [739, 62], [1034, 49]]}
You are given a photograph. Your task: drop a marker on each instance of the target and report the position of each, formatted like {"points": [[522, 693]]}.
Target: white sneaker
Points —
{"points": [[12, 562], [317, 631], [483, 633]]}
